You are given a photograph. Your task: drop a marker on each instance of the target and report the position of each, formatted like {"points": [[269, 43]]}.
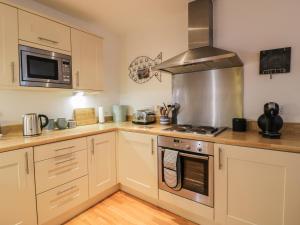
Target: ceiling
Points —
{"points": [[120, 16]]}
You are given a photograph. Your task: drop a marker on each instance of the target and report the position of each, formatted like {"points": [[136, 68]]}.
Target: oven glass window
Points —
{"points": [[42, 68], [195, 175]]}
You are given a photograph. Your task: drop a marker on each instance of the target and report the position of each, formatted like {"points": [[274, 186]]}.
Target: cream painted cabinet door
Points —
{"points": [[87, 60], [17, 193], [102, 162], [137, 158], [256, 186], [9, 61], [42, 31]]}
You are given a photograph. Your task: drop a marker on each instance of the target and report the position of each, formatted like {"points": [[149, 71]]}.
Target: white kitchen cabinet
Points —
{"points": [[59, 200], [102, 162], [17, 193], [256, 186], [87, 60], [9, 61], [42, 31], [137, 158]]}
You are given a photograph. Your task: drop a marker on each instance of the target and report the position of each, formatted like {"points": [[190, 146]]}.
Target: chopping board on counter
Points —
{"points": [[85, 116]]}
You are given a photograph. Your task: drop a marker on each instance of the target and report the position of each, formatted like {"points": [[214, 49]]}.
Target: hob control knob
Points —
{"points": [[199, 149]]}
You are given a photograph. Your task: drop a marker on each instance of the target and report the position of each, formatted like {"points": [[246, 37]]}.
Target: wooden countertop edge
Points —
{"points": [[220, 139]]}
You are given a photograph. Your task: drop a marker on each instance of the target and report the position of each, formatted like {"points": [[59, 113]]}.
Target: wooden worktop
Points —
{"points": [[290, 142]]}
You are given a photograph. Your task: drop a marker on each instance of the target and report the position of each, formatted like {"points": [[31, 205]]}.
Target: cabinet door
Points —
{"points": [[86, 61], [17, 194], [102, 162], [256, 186], [137, 156], [9, 62], [42, 31]]}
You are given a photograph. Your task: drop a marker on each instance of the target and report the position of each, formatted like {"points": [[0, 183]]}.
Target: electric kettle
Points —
{"points": [[33, 124]]}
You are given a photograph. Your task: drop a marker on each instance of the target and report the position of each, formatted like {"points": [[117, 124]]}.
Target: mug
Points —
{"points": [[50, 125], [61, 123]]}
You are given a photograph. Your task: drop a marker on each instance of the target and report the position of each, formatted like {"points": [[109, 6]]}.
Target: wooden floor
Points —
{"points": [[124, 209]]}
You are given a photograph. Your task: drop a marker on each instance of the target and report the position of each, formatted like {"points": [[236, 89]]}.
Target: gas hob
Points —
{"points": [[202, 130]]}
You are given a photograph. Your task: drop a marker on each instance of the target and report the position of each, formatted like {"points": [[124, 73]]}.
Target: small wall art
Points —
{"points": [[140, 69], [275, 61]]}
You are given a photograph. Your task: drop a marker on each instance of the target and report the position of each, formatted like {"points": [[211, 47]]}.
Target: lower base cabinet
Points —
{"points": [[102, 162], [17, 191], [256, 187], [58, 200], [137, 160]]}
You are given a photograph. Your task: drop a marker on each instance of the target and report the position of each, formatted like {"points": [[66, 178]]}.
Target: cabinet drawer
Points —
{"points": [[57, 201], [59, 170], [39, 30], [59, 148]]}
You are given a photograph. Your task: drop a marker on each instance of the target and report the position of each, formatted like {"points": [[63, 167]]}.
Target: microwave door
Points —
{"points": [[40, 68]]}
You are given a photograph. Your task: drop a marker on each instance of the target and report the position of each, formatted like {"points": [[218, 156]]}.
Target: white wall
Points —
{"points": [[242, 26], [166, 35], [15, 103]]}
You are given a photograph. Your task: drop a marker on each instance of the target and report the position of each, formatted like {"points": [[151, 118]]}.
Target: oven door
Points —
{"points": [[42, 68], [197, 177]]}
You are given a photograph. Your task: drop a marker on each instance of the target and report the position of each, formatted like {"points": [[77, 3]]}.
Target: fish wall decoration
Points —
{"points": [[140, 69]]}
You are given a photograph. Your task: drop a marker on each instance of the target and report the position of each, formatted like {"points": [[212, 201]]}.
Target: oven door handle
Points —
{"points": [[194, 156]]}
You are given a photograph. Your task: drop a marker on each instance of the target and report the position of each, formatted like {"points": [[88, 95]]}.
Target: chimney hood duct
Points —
{"points": [[201, 55]]}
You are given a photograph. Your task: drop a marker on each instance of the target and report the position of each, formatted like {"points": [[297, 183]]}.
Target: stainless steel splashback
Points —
{"points": [[210, 98]]}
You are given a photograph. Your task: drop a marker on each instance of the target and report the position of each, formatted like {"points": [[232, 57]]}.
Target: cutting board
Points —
{"points": [[85, 116]]}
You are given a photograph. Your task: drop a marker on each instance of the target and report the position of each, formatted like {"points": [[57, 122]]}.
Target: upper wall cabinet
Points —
{"points": [[87, 61], [42, 31], [9, 62]]}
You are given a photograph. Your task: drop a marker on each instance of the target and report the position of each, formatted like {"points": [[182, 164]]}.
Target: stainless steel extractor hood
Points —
{"points": [[201, 55]]}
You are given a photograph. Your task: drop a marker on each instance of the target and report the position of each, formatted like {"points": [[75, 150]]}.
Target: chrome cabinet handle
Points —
{"points": [[64, 191], [77, 78], [13, 72], [27, 162], [93, 146], [61, 149], [220, 158], [46, 39], [152, 146]]}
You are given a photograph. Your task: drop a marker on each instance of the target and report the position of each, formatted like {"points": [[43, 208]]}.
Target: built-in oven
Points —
{"points": [[42, 68], [193, 168]]}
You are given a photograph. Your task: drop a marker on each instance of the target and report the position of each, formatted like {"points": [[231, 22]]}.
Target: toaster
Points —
{"points": [[144, 117]]}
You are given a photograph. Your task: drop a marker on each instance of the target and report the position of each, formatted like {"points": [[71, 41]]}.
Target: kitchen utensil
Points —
{"points": [[71, 124], [33, 124], [270, 122], [101, 117], [51, 125], [85, 116], [119, 113], [61, 123]]}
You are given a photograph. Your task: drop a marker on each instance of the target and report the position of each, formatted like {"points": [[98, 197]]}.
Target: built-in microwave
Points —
{"points": [[42, 68]]}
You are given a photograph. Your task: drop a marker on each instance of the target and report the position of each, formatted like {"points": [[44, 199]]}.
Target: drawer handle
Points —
{"points": [[62, 162], [61, 149], [48, 40], [66, 190]]}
